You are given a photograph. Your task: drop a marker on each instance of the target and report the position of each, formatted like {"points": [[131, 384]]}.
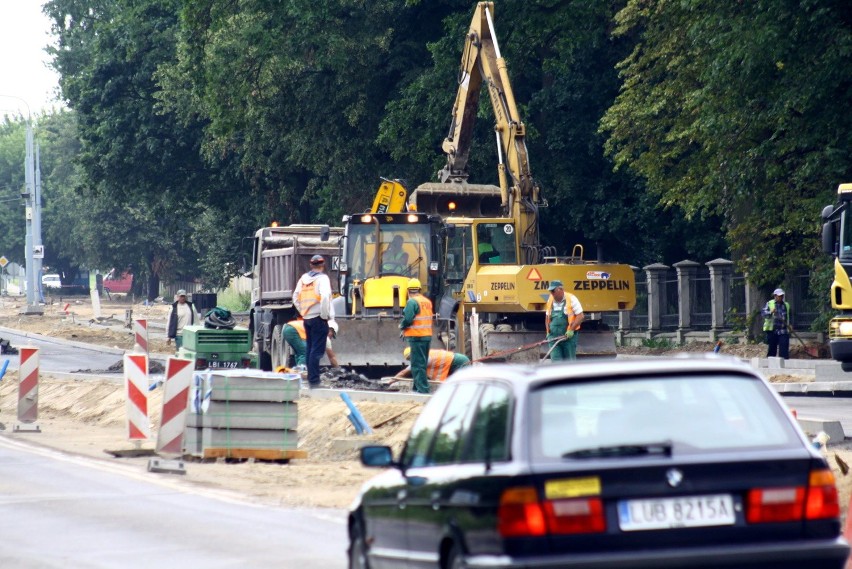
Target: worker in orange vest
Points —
{"points": [[563, 315], [416, 327], [294, 334], [440, 365]]}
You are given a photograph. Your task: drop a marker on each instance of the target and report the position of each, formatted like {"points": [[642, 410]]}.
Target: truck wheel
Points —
{"points": [[264, 360], [277, 347]]}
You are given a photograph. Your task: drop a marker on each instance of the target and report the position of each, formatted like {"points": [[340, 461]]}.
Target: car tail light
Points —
{"points": [[520, 513], [246, 362], [822, 499], [579, 515], [200, 363], [775, 504], [817, 501]]}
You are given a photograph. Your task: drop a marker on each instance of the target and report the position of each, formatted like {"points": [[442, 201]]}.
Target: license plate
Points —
{"points": [[684, 512], [221, 365]]}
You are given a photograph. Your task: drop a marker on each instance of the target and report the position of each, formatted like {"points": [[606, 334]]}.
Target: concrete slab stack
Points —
{"points": [[243, 414]]}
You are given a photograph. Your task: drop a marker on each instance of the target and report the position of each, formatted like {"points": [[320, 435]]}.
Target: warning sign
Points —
{"points": [[534, 275]]}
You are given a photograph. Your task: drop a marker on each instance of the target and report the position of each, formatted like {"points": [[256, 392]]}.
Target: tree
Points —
{"points": [[739, 109]]}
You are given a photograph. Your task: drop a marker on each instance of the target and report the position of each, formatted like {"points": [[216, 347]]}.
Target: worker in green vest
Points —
{"points": [[776, 324]]}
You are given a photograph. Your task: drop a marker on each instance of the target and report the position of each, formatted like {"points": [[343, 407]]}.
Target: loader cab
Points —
{"points": [[383, 251]]}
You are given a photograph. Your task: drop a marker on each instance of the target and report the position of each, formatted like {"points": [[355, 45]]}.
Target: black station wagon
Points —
{"points": [[663, 463]]}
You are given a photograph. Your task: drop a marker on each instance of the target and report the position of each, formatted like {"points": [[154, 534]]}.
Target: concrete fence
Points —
{"points": [[693, 302]]}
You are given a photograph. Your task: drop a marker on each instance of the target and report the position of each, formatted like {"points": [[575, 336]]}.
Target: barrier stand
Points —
{"points": [[136, 389], [140, 331], [173, 422], [28, 391]]}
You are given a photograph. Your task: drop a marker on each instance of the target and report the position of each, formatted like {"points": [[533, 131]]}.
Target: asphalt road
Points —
{"points": [[62, 511], [60, 355], [824, 407]]}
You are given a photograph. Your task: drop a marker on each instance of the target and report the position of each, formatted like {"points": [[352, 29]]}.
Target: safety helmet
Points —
{"points": [[406, 353], [414, 283]]}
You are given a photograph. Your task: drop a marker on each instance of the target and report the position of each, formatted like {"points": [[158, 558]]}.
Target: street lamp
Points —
{"points": [[32, 202]]}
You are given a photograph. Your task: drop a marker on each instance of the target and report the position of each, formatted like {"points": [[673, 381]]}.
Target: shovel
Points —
{"points": [[805, 347]]}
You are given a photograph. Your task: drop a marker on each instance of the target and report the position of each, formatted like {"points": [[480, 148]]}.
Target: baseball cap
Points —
{"points": [[778, 292], [181, 292], [317, 260], [554, 285]]}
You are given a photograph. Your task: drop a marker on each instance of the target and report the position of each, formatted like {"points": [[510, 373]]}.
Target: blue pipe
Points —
{"points": [[3, 369], [355, 413]]}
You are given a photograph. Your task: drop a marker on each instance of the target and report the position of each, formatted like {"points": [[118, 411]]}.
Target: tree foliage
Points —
{"points": [[741, 110], [659, 130]]}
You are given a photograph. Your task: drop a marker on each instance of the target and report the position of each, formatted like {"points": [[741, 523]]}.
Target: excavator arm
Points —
{"points": [[481, 61]]}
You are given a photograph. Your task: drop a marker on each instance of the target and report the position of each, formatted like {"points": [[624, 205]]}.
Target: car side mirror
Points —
{"points": [[376, 456]]}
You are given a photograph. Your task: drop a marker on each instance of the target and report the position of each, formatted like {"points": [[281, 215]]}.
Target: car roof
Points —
{"points": [[528, 377]]}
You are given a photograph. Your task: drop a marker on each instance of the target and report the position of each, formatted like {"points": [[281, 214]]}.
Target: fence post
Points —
{"points": [[721, 271], [753, 304], [686, 270], [656, 273]]}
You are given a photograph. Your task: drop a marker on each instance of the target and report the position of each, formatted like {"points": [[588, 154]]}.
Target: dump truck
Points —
{"points": [[282, 255], [494, 263], [837, 241]]}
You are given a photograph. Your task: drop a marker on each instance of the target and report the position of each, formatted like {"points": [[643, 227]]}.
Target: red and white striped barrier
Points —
{"points": [[136, 389], [28, 388], [175, 403], [140, 330]]}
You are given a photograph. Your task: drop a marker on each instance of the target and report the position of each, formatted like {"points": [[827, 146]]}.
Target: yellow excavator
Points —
{"points": [[496, 272]]}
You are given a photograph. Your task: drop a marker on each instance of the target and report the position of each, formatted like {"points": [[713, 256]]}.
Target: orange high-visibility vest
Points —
{"points": [[569, 310], [308, 296], [438, 366], [421, 327], [299, 325]]}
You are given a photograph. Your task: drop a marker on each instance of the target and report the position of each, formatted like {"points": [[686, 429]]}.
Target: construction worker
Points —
{"points": [[776, 324], [563, 315], [312, 298], [440, 365], [394, 259], [294, 334], [416, 327], [182, 314]]}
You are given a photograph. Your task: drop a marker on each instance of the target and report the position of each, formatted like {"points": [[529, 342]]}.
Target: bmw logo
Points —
{"points": [[674, 477]]}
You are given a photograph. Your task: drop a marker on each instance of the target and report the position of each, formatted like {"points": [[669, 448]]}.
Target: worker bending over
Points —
{"points": [[294, 334], [440, 365]]}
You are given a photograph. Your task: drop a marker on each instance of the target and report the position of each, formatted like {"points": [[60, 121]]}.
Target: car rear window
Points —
{"points": [[696, 413]]}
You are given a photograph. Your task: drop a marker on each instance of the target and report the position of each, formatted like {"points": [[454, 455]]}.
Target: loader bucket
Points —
{"points": [[506, 346], [369, 342]]}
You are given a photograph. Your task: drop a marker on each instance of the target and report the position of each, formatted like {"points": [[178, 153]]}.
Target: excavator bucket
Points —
{"points": [[457, 199]]}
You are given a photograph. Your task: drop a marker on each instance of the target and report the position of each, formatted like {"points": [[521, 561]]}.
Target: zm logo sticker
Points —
{"points": [[597, 275]]}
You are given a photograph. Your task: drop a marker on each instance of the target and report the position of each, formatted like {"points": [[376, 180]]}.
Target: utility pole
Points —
{"points": [[34, 251], [31, 205]]}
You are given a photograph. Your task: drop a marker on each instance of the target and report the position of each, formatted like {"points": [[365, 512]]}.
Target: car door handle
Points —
{"points": [[436, 500], [401, 496]]}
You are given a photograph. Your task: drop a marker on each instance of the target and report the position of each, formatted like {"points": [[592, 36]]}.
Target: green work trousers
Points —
{"points": [[419, 357], [567, 348], [296, 343]]}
